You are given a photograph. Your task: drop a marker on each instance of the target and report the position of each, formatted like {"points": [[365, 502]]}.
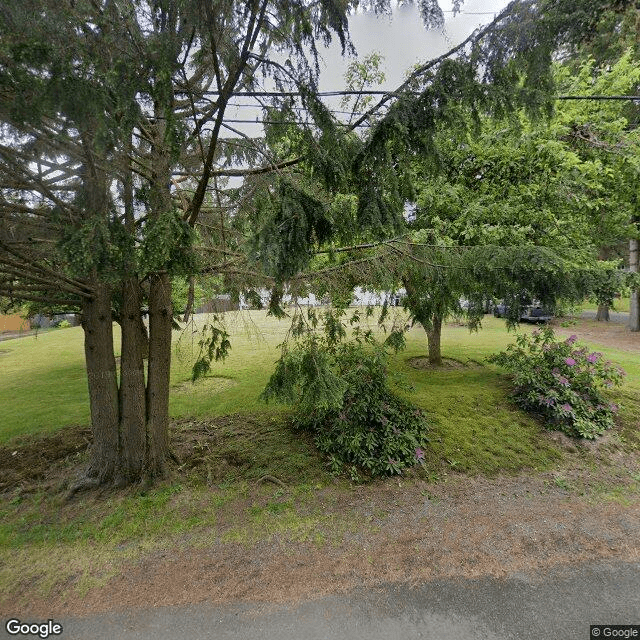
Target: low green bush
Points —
{"points": [[371, 429], [341, 394], [562, 381]]}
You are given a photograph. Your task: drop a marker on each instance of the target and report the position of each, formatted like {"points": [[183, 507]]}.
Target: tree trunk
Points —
{"points": [[603, 313], [160, 307], [103, 386], [433, 339], [160, 320], [634, 307], [144, 337], [132, 387]]}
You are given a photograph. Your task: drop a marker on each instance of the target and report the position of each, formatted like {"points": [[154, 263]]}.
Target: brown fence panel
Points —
{"points": [[14, 322]]}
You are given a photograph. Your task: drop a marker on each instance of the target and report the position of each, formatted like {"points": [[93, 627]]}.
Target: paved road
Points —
{"points": [[559, 605], [614, 316]]}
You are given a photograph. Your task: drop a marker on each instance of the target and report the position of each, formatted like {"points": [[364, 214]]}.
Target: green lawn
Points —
{"points": [[619, 305], [43, 383], [46, 542]]}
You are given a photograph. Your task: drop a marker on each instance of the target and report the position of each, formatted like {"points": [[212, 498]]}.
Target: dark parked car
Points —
{"points": [[530, 313]]}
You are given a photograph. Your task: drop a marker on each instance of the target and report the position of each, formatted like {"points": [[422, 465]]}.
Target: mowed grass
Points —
{"points": [[620, 305], [233, 447], [43, 384]]}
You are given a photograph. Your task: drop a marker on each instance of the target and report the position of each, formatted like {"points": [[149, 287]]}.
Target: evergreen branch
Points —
{"points": [[28, 297], [35, 184], [80, 287], [38, 283], [355, 247], [223, 250], [322, 272], [17, 207], [245, 272], [422, 69], [255, 22], [256, 171]]}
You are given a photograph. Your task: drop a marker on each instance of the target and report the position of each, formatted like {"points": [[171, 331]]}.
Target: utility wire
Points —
{"points": [[294, 94], [259, 121], [598, 98], [295, 108], [471, 13]]}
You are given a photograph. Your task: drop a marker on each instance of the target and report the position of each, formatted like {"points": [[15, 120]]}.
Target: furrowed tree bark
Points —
{"points": [[132, 386], [102, 382], [634, 305], [160, 312], [160, 316], [133, 410], [434, 335], [97, 322], [144, 337]]}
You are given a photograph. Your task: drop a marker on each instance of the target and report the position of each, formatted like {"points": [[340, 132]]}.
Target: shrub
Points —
{"points": [[372, 429], [341, 394], [63, 324], [562, 382]]}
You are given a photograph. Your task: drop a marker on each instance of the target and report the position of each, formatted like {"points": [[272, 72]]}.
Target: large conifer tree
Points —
{"points": [[114, 115]]}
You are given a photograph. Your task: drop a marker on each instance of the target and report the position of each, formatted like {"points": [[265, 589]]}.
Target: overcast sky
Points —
{"points": [[403, 41]]}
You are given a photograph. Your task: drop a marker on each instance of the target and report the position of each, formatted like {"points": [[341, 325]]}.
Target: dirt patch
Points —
{"points": [[610, 334], [41, 462], [244, 446], [402, 532], [209, 449], [422, 362], [201, 446]]}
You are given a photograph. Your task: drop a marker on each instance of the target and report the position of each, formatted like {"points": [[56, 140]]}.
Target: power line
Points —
{"points": [[297, 94], [471, 13], [329, 94], [598, 98], [259, 121], [295, 108]]}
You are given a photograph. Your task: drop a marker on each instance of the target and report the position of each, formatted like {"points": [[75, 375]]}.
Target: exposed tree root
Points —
{"points": [[273, 480], [85, 484]]}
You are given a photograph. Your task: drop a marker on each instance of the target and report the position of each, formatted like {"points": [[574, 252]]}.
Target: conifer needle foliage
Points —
{"points": [[341, 393]]}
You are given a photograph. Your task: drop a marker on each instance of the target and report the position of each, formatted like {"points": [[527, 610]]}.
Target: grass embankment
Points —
{"points": [[620, 305], [245, 475]]}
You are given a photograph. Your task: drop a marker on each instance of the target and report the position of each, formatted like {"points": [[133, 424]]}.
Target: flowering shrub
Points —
{"points": [[562, 381]]}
